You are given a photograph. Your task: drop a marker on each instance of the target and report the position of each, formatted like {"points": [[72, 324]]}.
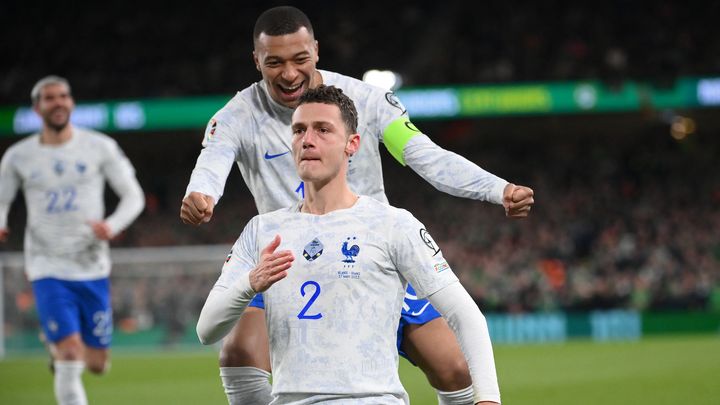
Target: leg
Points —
{"points": [[434, 348], [97, 360], [245, 360], [426, 340], [247, 343], [60, 320], [69, 365]]}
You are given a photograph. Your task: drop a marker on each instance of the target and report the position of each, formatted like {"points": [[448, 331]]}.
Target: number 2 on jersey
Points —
{"points": [[316, 293]]}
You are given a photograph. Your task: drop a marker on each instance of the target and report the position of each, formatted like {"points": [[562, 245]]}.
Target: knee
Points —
{"points": [[97, 367], [69, 351]]}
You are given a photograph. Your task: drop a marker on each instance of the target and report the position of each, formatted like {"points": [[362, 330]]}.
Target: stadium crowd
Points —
{"points": [[116, 50]]}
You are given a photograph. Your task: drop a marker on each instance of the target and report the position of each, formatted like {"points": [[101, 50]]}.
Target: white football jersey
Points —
{"points": [[254, 130], [333, 320], [64, 189]]}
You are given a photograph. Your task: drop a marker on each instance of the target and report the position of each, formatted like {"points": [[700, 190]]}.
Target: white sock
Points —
{"points": [[69, 388], [246, 385], [460, 397]]}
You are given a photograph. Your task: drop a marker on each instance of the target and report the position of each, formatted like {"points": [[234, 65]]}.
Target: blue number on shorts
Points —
{"points": [[302, 315], [61, 200], [300, 190]]}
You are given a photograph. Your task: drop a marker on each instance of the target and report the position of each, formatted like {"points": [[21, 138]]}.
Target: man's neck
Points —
{"points": [[50, 136], [328, 197]]}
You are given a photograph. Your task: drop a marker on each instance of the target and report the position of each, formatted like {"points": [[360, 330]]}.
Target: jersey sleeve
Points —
{"points": [[417, 257], [232, 293], [120, 174], [243, 256], [451, 173], [221, 148], [445, 170], [9, 184], [470, 328]]}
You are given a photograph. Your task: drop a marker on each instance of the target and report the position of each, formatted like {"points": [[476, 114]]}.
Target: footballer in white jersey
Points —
{"points": [[332, 313], [332, 321], [64, 189], [252, 130], [62, 172]]}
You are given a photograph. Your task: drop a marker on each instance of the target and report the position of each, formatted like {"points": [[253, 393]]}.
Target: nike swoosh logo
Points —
{"points": [[268, 156]]}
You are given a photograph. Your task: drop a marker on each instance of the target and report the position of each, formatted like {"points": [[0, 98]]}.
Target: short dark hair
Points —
{"points": [[333, 96], [281, 20]]}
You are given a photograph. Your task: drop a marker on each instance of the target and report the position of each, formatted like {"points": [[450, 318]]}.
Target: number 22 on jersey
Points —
{"points": [[61, 200]]}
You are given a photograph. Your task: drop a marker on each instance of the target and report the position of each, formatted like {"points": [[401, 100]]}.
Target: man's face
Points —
{"points": [[287, 63], [321, 144], [55, 106]]}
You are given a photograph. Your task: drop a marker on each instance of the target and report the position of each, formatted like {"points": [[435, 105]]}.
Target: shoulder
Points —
{"points": [[90, 135], [97, 141], [21, 150], [239, 106], [386, 213], [28, 143], [354, 88], [367, 97]]}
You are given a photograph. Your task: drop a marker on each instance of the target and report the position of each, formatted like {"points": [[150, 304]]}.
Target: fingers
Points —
{"points": [[197, 208], [270, 248], [272, 268], [518, 201], [101, 230], [521, 193]]}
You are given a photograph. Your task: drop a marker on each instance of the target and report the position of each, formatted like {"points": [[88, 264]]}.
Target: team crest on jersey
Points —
{"points": [[428, 241], [59, 167], [350, 252], [313, 250], [210, 130], [80, 166]]}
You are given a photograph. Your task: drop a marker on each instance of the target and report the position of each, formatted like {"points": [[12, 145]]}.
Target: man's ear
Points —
{"points": [[353, 144]]}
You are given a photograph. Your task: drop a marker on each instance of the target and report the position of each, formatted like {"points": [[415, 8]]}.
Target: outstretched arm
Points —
{"points": [[451, 173]]}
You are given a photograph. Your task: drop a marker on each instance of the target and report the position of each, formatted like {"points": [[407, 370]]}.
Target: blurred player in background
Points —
{"points": [[252, 130], [332, 314], [62, 172]]}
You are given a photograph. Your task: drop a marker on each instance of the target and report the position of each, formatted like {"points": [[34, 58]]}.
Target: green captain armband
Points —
{"points": [[397, 135]]}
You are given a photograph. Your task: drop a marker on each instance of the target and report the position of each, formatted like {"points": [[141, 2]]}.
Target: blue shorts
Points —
{"points": [[414, 311], [67, 307]]}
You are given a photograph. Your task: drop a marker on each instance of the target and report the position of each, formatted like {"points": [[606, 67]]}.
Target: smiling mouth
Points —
{"points": [[291, 91]]}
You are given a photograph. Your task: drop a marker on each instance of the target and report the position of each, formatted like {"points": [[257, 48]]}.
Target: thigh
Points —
{"points": [[247, 343], [433, 347], [57, 309], [414, 312], [95, 313]]}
